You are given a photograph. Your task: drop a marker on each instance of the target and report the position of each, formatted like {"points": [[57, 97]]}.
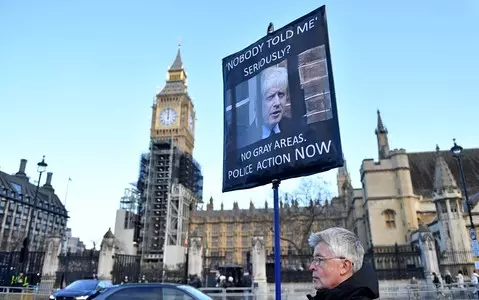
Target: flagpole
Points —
{"points": [[66, 193], [65, 238]]}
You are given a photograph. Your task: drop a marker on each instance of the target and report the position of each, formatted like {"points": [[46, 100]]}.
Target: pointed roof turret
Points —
{"points": [[380, 127], [177, 63], [108, 234], [343, 171], [343, 180], [443, 179], [382, 137], [210, 206], [176, 81]]}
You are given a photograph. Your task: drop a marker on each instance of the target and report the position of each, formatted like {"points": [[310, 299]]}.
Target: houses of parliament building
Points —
{"points": [[402, 194]]}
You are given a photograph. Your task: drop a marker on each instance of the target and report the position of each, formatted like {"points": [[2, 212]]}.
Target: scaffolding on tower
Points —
{"points": [[129, 203], [170, 184]]}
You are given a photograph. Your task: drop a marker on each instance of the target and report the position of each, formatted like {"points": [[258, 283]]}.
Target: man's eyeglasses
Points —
{"points": [[317, 260]]}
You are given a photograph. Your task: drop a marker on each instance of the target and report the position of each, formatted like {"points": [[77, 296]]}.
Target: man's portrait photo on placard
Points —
{"points": [[275, 102], [266, 107], [263, 106]]}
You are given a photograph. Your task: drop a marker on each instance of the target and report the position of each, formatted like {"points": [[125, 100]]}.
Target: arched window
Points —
{"points": [[390, 218]]}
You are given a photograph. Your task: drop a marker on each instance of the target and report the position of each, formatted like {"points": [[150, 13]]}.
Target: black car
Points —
{"points": [[82, 290], [152, 291]]}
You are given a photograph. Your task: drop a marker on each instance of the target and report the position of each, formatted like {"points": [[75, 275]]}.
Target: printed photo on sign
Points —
{"points": [[263, 103], [263, 106]]}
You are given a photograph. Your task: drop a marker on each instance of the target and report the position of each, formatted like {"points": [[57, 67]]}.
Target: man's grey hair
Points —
{"points": [[342, 243], [273, 76]]}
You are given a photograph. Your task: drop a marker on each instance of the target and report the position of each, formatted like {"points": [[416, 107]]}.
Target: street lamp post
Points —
{"points": [[187, 248], [457, 151], [41, 167], [187, 261]]}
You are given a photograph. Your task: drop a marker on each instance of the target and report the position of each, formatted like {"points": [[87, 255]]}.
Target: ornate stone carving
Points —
{"points": [[429, 242], [195, 245], [258, 244], [53, 244], [108, 241]]}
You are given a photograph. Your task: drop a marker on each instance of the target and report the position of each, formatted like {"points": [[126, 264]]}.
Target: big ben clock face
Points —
{"points": [[168, 116]]}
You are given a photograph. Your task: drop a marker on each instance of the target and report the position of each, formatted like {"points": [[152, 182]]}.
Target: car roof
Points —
{"points": [[87, 280], [151, 284], [144, 285], [116, 288], [93, 280]]}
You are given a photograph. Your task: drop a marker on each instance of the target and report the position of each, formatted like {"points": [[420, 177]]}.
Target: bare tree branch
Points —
{"points": [[305, 210], [287, 240]]}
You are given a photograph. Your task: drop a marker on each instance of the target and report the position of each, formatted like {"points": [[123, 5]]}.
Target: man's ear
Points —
{"points": [[347, 267]]}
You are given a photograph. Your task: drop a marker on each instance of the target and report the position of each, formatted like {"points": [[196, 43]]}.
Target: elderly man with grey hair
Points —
{"points": [[338, 269]]}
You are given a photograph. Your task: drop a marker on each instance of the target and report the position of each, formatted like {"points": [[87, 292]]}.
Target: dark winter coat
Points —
{"points": [[363, 285]]}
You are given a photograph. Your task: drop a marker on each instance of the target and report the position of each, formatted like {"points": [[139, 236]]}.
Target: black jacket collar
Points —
{"points": [[362, 285]]}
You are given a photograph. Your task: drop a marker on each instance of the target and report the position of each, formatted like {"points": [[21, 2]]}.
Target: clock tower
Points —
{"points": [[170, 179], [173, 116]]}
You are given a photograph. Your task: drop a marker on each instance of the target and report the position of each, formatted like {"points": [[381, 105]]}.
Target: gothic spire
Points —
{"points": [[380, 127], [177, 63], [382, 137], [443, 179], [343, 179], [343, 171], [176, 81]]}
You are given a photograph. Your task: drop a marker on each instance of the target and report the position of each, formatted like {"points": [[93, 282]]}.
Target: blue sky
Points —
{"points": [[77, 80]]}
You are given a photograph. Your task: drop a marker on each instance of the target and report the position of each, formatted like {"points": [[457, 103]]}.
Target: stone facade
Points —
{"points": [[398, 191], [404, 195], [227, 234], [17, 196]]}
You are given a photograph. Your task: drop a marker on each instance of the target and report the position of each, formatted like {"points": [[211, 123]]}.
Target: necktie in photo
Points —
{"points": [[272, 132]]}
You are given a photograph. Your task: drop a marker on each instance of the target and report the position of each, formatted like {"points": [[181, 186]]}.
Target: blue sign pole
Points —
{"points": [[277, 230], [277, 244]]}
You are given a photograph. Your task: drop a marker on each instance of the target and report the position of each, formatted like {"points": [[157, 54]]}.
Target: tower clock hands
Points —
{"points": [[168, 116]]}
